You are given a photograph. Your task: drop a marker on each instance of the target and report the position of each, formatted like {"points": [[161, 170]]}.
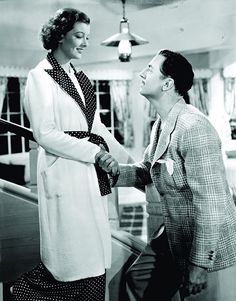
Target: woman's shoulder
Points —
{"points": [[39, 70], [41, 66]]}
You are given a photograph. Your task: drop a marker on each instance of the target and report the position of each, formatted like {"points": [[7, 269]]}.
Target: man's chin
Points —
{"points": [[141, 92]]}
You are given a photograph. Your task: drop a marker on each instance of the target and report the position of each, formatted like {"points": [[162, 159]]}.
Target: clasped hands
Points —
{"points": [[108, 163]]}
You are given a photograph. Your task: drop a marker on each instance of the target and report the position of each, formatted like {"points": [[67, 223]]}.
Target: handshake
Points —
{"points": [[107, 162]]}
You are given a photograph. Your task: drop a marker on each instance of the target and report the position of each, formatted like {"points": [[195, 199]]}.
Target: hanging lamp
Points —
{"points": [[124, 40]]}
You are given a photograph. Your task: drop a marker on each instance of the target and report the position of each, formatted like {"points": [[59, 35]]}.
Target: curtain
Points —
{"points": [[22, 81], [199, 95], [3, 86], [119, 90], [230, 96]]}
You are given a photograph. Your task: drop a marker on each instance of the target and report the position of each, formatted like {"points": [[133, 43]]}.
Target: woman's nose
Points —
{"points": [[85, 42]]}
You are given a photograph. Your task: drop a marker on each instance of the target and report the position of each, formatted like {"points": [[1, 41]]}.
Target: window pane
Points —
{"points": [[105, 101], [2, 129], [26, 121], [4, 108], [27, 148], [106, 118], [3, 145], [15, 118], [14, 95], [104, 86], [16, 146]]}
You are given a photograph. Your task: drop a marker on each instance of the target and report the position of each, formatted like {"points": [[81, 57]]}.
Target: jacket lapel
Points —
{"points": [[64, 81], [154, 138], [170, 123]]}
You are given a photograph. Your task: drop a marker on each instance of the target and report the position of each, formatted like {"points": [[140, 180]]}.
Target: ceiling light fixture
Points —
{"points": [[124, 39]]}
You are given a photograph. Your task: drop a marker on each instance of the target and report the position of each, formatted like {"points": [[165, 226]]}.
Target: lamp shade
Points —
{"points": [[115, 39], [124, 39], [124, 34]]}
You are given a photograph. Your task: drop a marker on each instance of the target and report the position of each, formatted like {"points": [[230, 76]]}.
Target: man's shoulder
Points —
{"points": [[191, 116]]}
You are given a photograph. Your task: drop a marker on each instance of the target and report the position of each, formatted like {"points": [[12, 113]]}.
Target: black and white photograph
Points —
{"points": [[117, 150]]}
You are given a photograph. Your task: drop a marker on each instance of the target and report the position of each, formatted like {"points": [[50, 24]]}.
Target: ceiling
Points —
{"points": [[190, 26]]}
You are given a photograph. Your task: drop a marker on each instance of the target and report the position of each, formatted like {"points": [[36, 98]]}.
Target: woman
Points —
{"points": [[74, 228]]}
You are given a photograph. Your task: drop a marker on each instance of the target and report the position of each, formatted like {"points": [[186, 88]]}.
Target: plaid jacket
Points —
{"points": [[185, 164]]}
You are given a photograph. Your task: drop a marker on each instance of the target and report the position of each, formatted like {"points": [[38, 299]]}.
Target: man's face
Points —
{"points": [[152, 78]]}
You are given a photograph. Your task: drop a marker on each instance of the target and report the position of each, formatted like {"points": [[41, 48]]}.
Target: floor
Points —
{"points": [[133, 212]]}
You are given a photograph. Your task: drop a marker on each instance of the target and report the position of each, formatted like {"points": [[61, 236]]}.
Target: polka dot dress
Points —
{"points": [[39, 285]]}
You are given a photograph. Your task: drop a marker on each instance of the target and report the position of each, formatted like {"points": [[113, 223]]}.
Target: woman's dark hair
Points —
{"points": [[179, 69], [58, 25]]}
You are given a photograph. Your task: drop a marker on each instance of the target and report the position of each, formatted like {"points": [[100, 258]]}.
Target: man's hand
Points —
{"points": [[195, 280], [107, 162]]}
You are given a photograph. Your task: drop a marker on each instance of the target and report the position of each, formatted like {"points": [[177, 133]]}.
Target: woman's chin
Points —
{"points": [[77, 56]]}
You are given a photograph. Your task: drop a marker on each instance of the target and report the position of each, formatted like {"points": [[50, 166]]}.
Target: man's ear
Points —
{"points": [[168, 84]]}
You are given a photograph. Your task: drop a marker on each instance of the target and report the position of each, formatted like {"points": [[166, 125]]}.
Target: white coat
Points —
{"points": [[75, 239]]}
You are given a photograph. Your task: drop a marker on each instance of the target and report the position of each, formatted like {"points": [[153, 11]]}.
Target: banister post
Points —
{"points": [[33, 154], [113, 209]]}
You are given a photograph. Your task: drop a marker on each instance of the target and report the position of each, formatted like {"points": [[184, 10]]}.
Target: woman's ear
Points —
{"points": [[61, 40], [168, 84]]}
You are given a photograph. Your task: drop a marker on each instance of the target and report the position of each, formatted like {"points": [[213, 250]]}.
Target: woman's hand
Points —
{"points": [[107, 162]]}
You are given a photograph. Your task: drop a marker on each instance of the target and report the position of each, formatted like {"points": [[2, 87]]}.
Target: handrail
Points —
{"points": [[19, 191], [17, 129]]}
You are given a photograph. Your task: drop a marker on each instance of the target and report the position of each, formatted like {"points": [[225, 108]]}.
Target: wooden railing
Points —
{"points": [[17, 129]]}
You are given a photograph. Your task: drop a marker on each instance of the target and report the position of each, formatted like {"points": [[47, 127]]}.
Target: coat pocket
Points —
{"points": [[52, 179]]}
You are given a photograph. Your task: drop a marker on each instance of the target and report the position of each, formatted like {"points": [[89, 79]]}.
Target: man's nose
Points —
{"points": [[142, 74]]}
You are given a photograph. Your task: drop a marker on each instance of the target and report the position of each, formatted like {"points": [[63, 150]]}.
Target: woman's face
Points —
{"points": [[74, 42]]}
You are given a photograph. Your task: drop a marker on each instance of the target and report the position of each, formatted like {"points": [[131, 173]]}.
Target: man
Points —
{"points": [[184, 163]]}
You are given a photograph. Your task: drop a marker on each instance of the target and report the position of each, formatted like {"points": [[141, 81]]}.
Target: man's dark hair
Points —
{"points": [[179, 69]]}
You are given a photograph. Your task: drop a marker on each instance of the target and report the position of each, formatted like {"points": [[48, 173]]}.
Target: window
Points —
{"points": [[13, 111], [105, 106]]}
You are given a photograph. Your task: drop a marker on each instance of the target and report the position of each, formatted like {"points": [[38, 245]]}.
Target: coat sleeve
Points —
{"points": [[201, 150], [136, 174], [38, 104]]}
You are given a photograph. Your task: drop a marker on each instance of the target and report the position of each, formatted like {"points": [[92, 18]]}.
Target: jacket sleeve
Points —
{"points": [[135, 175], [38, 104], [201, 150]]}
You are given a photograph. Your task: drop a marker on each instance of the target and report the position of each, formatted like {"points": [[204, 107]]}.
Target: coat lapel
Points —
{"points": [[64, 81], [170, 123], [154, 138]]}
